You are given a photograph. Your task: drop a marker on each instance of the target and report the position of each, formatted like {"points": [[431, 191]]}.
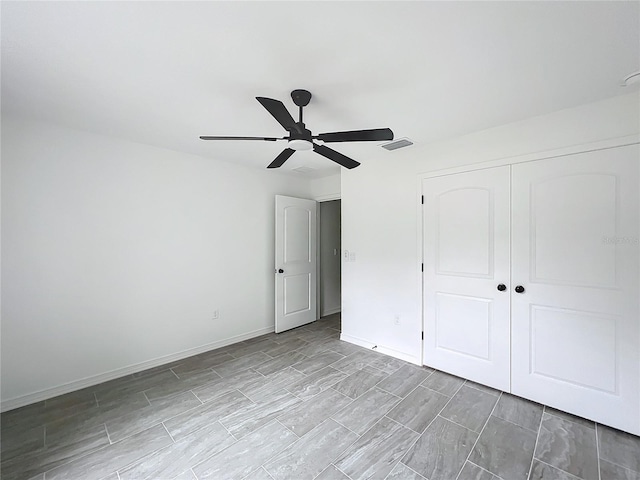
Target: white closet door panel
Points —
{"points": [[575, 328], [466, 256]]}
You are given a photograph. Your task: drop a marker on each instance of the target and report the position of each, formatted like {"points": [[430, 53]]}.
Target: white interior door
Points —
{"points": [[295, 262], [575, 327], [466, 259]]}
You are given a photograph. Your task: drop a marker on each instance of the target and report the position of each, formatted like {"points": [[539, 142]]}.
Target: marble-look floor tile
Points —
{"points": [[404, 380], [181, 455], [260, 474], [262, 389], [140, 420], [317, 362], [26, 417], [310, 455], [610, 471], [59, 452], [188, 422], [364, 412], [542, 471], [374, 455], [246, 455], [504, 449], [316, 382], [443, 383], [188, 475], [482, 388], [232, 367], [402, 472], [16, 441], [332, 473], [619, 447], [224, 385], [188, 382], [307, 415], [251, 347], [200, 363], [125, 405], [572, 418], [252, 417], [315, 348], [441, 451], [471, 471], [111, 458], [280, 362], [568, 446], [517, 410], [388, 364], [356, 361], [470, 408], [285, 347], [113, 390], [342, 347], [359, 382], [418, 409]]}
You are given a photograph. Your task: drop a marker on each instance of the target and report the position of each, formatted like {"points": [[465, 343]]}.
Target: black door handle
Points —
{"points": [[280, 270], [502, 287], [519, 289]]}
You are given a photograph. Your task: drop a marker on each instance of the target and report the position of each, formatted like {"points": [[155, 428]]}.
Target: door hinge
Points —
{"points": [[422, 335], [422, 200]]}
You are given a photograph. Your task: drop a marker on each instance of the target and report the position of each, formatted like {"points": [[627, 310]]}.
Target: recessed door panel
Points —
{"points": [[587, 363], [297, 235], [575, 326], [466, 257], [464, 243], [570, 216], [463, 325], [297, 293]]}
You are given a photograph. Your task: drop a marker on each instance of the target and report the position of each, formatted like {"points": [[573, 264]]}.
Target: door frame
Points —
{"points": [[483, 165], [322, 199]]}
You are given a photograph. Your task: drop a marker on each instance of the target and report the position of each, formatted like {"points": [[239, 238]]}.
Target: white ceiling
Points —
{"points": [[163, 73]]}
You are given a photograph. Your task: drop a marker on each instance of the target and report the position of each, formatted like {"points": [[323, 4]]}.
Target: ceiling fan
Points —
{"points": [[301, 139]]}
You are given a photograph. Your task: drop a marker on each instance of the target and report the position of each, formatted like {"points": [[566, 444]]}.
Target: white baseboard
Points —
{"points": [[381, 348], [330, 312], [30, 398]]}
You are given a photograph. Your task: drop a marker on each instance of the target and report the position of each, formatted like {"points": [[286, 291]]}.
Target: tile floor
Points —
{"points": [[304, 405]]}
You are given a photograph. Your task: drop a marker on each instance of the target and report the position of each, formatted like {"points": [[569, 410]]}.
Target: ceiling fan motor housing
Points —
{"points": [[301, 97]]}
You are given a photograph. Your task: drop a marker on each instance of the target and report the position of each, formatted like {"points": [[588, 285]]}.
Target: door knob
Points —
{"points": [[519, 289], [502, 287], [280, 270]]}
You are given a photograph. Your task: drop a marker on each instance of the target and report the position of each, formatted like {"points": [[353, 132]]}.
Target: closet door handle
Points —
{"points": [[519, 289], [280, 270], [502, 287]]}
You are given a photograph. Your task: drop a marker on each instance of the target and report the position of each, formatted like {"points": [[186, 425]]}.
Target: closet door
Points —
{"points": [[575, 325], [466, 275]]}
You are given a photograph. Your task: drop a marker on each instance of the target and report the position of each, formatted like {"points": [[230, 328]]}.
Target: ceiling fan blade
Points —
{"points": [[372, 135], [280, 159], [209, 137], [279, 112], [335, 156]]}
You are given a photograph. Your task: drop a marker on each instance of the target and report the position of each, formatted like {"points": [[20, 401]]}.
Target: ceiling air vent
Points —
{"points": [[396, 144], [303, 170]]}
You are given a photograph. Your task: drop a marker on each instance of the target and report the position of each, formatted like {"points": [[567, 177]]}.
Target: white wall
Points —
{"points": [[116, 254], [380, 213], [329, 254], [325, 188]]}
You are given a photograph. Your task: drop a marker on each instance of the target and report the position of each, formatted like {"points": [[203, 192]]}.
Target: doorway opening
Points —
{"points": [[329, 260]]}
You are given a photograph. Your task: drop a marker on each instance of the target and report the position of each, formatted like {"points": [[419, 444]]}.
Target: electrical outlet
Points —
{"points": [[346, 255], [396, 320], [216, 314]]}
